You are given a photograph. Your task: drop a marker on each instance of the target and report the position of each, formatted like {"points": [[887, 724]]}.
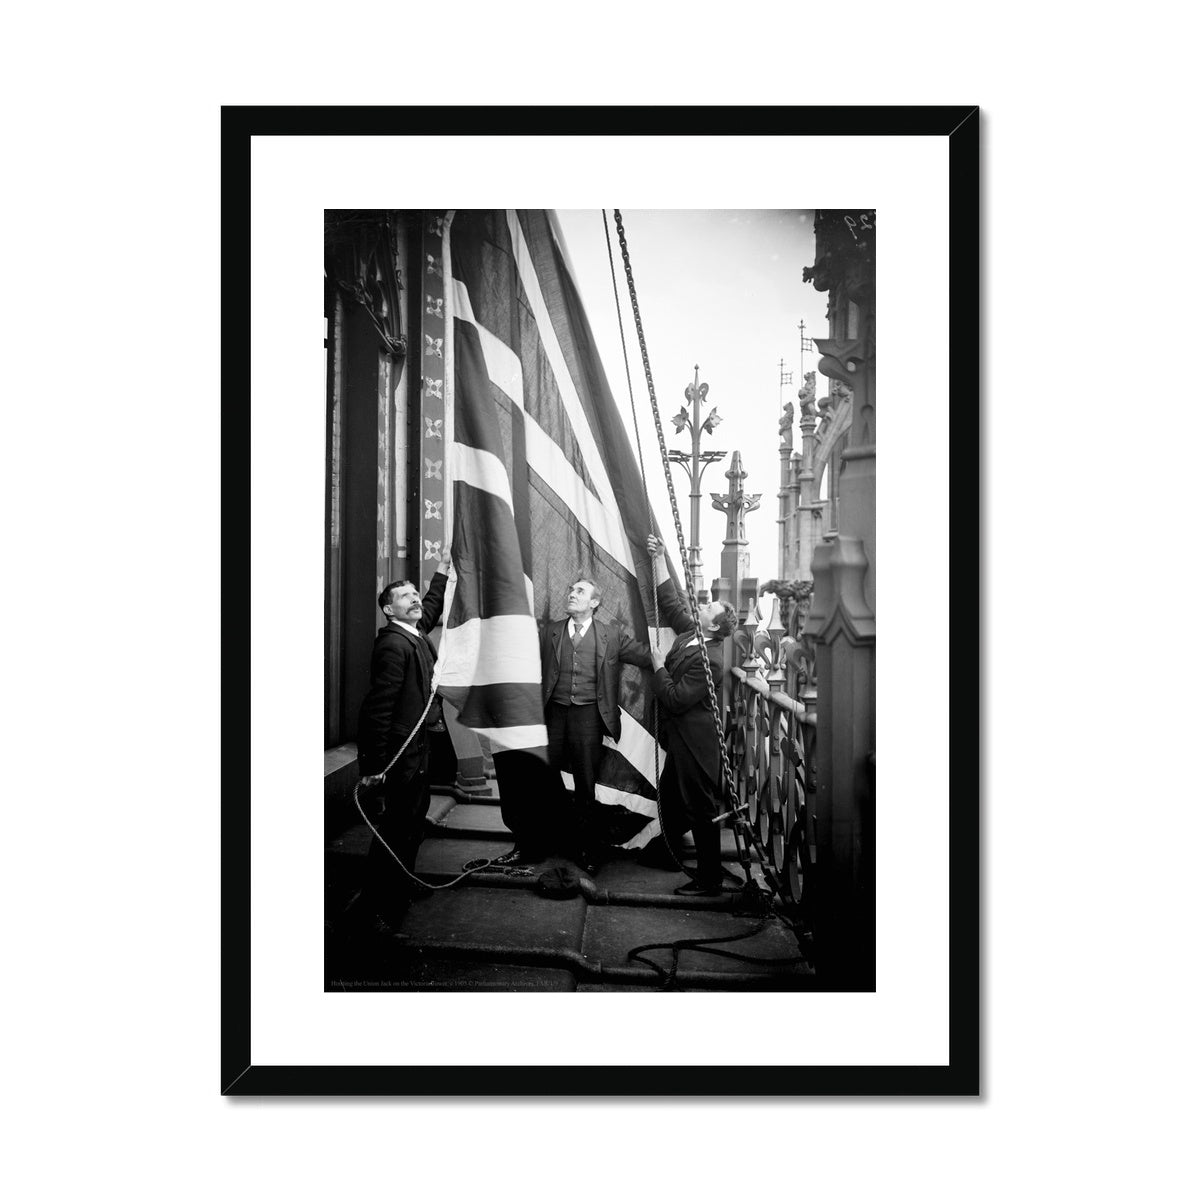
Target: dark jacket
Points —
{"points": [[401, 672], [613, 647], [682, 690]]}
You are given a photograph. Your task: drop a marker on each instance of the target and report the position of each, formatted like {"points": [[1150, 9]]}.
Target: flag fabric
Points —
{"points": [[543, 489]]}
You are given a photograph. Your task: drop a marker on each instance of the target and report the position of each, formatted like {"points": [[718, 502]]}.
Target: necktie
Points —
{"points": [[576, 635]]}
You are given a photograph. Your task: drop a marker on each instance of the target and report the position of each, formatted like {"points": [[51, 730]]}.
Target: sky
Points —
{"points": [[723, 290]]}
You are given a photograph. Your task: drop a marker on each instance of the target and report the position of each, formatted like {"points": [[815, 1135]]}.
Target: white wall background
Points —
{"points": [[113, 602]]}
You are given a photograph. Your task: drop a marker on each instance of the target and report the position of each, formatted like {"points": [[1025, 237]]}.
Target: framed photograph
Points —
{"points": [[582, 547]]}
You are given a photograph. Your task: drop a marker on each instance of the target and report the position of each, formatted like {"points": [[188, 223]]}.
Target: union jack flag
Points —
{"points": [[543, 488]]}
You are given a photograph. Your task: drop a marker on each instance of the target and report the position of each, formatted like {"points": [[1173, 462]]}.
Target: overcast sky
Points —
{"points": [[721, 289]]}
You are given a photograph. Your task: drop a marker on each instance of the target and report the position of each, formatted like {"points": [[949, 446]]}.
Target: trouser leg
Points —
{"points": [[528, 794], [402, 827], [584, 748], [700, 804], [707, 837], [671, 806]]}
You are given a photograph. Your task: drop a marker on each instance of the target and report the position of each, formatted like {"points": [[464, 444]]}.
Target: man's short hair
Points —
{"points": [[385, 597], [723, 625], [597, 594]]}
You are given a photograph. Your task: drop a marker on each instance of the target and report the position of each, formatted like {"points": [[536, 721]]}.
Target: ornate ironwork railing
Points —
{"points": [[771, 735]]}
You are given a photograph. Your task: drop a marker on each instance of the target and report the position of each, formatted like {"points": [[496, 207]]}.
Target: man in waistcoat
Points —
{"points": [[581, 659]]}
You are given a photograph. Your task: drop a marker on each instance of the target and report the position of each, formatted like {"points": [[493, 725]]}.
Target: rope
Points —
{"points": [[380, 779], [667, 976], [739, 840], [637, 433]]}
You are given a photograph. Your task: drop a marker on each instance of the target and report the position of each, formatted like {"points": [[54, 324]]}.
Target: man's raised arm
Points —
{"points": [[671, 603]]}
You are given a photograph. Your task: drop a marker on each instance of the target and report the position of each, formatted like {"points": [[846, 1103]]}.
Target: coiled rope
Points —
{"points": [[372, 781]]}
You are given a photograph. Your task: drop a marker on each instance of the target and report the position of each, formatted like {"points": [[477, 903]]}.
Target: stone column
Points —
{"points": [[806, 482], [841, 620], [735, 504], [843, 626], [786, 495]]}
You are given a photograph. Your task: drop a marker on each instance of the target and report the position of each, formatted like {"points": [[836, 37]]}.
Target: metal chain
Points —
{"points": [[691, 589], [637, 433]]}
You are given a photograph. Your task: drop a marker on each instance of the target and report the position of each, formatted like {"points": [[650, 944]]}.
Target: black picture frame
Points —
{"points": [[960, 125]]}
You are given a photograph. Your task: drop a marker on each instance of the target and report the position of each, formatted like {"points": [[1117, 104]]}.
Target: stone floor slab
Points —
{"points": [[468, 819], [495, 917]]}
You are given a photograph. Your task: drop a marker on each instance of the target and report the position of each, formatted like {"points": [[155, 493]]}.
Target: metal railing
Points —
{"points": [[771, 736]]}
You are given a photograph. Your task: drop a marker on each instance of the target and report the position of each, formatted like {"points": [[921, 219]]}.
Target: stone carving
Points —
{"points": [[433, 510], [361, 257], [437, 225], [807, 394], [433, 387], [433, 427], [433, 470], [785, 424], [433, 346], [735, 503], [433, 306], [432, 266], [845, 267]]}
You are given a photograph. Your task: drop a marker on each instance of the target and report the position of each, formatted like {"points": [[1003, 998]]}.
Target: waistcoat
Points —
{"points": [[576, 669]]}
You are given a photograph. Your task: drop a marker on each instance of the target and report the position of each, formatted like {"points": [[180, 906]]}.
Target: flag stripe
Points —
{"points": [[482, 261], [520, 705], [491, 651], [487, 559], [480, 355], [480, 470], [637, 746], [567, 393]]}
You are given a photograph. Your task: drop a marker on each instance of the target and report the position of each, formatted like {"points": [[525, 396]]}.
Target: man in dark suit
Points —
{"points": [[402, 668], [581, 659], [691, 783]]}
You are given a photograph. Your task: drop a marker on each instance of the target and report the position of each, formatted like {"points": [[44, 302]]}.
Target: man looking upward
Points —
{"points": [[691, 781], [402, 667], [581, 657]]}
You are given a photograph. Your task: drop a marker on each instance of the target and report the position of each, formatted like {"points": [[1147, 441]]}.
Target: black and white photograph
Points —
{"points": [[590, 630], [591, 563]]}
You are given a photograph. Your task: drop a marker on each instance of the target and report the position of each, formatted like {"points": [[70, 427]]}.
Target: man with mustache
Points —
{"points": [[402, 667]]}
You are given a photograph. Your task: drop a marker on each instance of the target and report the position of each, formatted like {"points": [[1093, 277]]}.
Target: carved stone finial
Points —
{"points": [[807, 394], [785, 424]]}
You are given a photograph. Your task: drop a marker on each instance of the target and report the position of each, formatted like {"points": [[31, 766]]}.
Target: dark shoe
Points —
{"points": [[518, 857], [696, 888]]}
